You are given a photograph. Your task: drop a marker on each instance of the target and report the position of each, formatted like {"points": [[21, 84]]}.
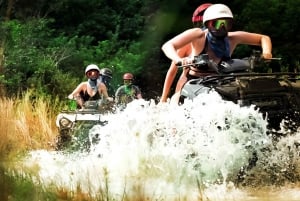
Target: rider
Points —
{"points": [[91, 89], [127, 92], [216, 41], [105, 77], [185, 51]]}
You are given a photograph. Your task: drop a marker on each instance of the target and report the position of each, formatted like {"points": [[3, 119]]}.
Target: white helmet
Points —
{"points": [[216, 11], [92, 67]]}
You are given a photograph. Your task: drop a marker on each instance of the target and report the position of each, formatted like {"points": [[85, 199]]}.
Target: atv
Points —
{"points": [[74, 126], [276, 94]]}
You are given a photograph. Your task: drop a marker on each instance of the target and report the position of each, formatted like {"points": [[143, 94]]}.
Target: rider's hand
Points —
{"points": [[266, 56], [110, 99], [185, 61], [163, 99]]}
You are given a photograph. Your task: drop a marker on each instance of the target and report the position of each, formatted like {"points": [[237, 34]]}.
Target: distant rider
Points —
{"points": [[105, 77], [92, 89], [127, 92]]}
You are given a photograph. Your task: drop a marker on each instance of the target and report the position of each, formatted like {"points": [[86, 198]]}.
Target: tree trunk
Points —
{"points": [[10, 5]]}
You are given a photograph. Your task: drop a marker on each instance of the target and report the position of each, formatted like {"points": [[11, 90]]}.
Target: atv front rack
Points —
{"points": [[85, 111]]}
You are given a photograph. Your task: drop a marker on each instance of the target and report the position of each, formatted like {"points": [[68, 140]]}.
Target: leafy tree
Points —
{"points": [[278, 19], [48, 43], [31, 60]]}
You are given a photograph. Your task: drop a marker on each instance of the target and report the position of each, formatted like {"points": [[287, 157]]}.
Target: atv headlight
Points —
{"points": [[63, 122]]}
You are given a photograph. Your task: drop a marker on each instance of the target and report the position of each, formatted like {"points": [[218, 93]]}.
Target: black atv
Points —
{"points": [[277, 95]]}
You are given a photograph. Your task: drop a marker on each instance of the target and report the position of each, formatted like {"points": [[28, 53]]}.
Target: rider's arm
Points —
{"points": [[138, 93], [170, 76], [103, 91], [118, 94], [266, 46], [242, 37], [170, 47], [76, 93]]}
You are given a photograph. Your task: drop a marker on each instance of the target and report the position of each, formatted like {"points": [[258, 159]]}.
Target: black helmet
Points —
{"points": [[106, 71]]}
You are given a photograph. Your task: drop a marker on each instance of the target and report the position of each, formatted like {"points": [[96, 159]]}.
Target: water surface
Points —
{"points": [[206, 149]]}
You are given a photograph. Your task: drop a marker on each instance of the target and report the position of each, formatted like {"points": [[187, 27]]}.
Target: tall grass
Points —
{"points": [[20, 187], [26, 123]]}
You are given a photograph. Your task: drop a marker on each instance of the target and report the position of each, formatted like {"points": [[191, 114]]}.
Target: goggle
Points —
{"points": [[218, 23], [92, 73], [127, 82]]}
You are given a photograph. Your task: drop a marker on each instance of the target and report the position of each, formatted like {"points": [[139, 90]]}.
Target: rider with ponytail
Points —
{"points": [[197, 20]]}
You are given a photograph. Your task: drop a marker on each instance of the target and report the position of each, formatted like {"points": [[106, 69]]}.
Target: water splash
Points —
{"points": [[168, 150]]}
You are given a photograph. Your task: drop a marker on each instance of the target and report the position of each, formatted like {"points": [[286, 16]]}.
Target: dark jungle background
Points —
{"points": [[45, 45]]}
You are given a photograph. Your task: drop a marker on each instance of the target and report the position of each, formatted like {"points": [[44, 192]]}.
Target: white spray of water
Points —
{"points": [[165, 149]]}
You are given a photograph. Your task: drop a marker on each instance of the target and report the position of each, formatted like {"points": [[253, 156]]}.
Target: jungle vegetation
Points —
{"points": [[46, 44]]}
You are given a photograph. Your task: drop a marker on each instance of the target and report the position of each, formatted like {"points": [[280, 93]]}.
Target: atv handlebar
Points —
{"points": [[202, 62]]}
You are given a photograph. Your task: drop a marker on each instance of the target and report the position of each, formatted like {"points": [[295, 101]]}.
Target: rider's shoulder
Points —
{"points": [[83, 84], [195, 31], [122, 87], [200, 32], [238, 34], [136, 88], [243, 37], [100, 84]]}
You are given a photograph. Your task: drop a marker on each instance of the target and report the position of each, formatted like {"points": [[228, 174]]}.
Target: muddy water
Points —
{"points": [[208, 149]]}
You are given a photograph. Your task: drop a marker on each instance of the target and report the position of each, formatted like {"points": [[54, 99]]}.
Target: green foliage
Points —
{"points": [[279, 20], [48, 44], [54, 66], [21, 187], [31, 59], [100, 19], [37, 56], [128, 60], [50, 54]]}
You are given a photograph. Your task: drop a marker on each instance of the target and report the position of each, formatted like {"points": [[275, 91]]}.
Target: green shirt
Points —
{"points": [[126, 94]]}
